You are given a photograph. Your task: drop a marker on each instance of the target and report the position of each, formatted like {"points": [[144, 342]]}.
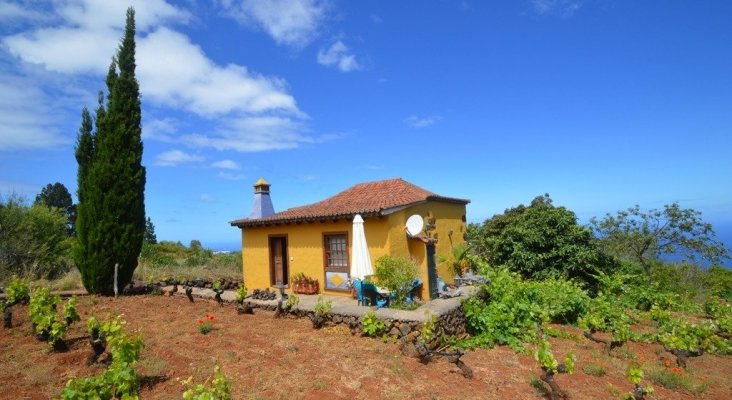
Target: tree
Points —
{"points": [[643, 236], [111, 179], [33, 240], [540, 241], [150, 236], [56, 195]]}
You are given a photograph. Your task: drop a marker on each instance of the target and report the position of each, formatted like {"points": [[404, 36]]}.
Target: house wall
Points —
{"points": [[384, 235], [448, 218], [305, 247]]}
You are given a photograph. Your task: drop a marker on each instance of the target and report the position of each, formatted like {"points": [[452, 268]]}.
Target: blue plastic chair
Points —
{"points": [[358, 286], [374, 297]]}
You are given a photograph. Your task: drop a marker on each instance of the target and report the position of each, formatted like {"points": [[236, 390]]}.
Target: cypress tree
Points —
{"points": [[111, 178]]}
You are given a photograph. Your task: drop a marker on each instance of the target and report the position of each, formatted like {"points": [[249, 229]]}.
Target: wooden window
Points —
{"points": [[336, 252], [335, 260]]}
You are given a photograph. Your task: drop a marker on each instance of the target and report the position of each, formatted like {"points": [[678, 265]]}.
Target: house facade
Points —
{"points": [[316, 239]]}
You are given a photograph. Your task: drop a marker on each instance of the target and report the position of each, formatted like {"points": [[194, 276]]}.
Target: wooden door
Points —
{"points": [[278, 260]]}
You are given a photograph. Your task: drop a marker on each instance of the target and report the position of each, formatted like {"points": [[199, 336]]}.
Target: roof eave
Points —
{"points": [[248, 223]]}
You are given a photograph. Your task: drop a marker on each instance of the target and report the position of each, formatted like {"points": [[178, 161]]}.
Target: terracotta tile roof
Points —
{"points": [[367, 199]]}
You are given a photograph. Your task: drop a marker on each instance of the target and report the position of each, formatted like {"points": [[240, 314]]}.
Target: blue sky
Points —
{"points": [[602, 104]]}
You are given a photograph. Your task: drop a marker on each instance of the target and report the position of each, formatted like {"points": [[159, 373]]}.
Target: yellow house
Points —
{"points": [[315, 239]]}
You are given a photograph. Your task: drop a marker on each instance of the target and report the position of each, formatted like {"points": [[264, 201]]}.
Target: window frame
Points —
{"points": [[327, 252]]}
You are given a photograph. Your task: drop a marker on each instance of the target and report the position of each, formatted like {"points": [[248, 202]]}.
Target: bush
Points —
{"points": [[323, 306], [217, 388], [631, 288], [372, 325], [34, 242], [511, 310], [563, 301], [42, 309], [120, 380], [605, 315], [396, 274], [540, 241], [719, 281], [678, 334], [16, 291]]}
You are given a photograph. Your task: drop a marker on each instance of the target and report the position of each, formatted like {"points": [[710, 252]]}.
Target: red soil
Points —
{"points": [[285, 358]]}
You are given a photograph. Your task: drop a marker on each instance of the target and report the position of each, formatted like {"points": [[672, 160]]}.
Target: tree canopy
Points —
{"points": [[643, 236], [111, 178], [540, 241], [33, 240], [150, 236], [56, 195]]}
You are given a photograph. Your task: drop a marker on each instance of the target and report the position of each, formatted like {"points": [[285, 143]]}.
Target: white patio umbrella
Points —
{"points": [[360, 257]]}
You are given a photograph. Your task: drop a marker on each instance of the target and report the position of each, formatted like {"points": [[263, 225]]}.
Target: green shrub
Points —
{"points": [[605, 315], [120, 380], [719, 282], [546, 359], [720, 311], [396, 274], [34, 241], [563, 301], [429, 328], [241, 293], [217, 388], [163, 260], [372, 325], [16, 291], [322, 306], [70, 313], [292, 301], [679, 334], [42, 309], [510, 310]]}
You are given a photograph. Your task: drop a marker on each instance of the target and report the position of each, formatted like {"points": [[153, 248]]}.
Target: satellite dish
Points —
{"points": [[415, 223]]}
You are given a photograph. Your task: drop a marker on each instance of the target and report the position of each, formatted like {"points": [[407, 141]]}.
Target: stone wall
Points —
{"points": [[451, 323]]}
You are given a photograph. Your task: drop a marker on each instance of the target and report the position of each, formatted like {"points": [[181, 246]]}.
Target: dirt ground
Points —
{"points": [[267, 358]]}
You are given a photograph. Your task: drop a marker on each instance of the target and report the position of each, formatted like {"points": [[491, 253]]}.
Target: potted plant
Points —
{"points": [[298, 282], [303, 284], [311, 286]]}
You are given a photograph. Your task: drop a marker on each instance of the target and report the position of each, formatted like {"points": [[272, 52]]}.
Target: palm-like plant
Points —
{"points": [[457, 260]]}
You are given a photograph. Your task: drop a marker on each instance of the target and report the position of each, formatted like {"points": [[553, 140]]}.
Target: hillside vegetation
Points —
{"points": [[547, 275]]}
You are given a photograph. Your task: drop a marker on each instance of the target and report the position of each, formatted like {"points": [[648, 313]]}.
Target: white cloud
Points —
{"points": [[251, 134], [421, 122], [102, 14], [27, 121], [98, 24], [225, 164], [289, 22], [159, 129], [11, 12], [176, 73], [231, 177], [338, 55], [174, 157], [564, 8], [207, 198]]}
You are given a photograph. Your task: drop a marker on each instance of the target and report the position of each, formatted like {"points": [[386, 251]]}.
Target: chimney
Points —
{"points": [[262, 206]]}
